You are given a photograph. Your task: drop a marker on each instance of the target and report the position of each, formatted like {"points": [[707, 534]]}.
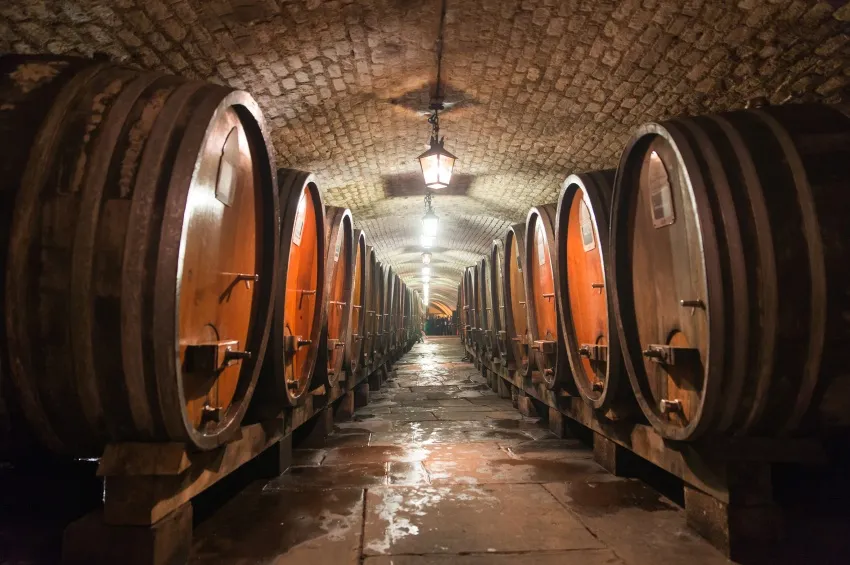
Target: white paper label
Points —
{"points": [[299, 220], [587, 237]]}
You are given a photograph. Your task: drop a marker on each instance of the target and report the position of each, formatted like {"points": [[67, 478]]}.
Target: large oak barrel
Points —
{"points": [[387, 311], [356, 347], [497, 299], [300, 302], [461, 309], [545, 334], [731, 266], [27, 93], [142, 253], [406, 319], [592, 345], [397, 314], [373, 305], [339, 268], [514, 288], [380, 310], [470, 306], [485, 306]]}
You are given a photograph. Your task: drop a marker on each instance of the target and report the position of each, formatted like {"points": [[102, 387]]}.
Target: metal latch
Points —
{"points": [[212, 357], [594, 351], [544, 346], [292, 343], [669, 355], [669, 406], [210, 413]]}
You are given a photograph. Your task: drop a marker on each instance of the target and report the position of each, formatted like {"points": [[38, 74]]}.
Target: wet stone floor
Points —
{"points": [[438, 470]]}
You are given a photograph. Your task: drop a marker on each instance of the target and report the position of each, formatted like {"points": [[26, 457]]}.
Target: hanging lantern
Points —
{"points": [[426, 258], [437, 165]]}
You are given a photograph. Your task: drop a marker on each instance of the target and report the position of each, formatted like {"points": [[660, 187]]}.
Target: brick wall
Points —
{"points": [[541, 88]]}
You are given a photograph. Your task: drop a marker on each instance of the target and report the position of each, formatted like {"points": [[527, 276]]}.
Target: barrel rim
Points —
{"points": [[598, 208], [515, 236], [340, 223], [165, 346], [620, 271], [561, 377], [296, 183], [355, 353]]}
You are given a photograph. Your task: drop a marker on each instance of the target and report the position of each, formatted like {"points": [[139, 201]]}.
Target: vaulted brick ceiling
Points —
{"points": [[539, 88]]}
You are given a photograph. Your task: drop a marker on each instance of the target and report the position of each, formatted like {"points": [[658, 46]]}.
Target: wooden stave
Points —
{"points": [[355, 347], [276, 394], [515, 239], [339, 223], [598, 186], [751, 405], [561, 377], [160, 393]]}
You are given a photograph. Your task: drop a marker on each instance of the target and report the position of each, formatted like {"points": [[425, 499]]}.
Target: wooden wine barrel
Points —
{"points": [[300, 302], [356, 344], [399, 314], [461, 309], [386, 310], [404, 332], [497, 298], [471, 314], [27, 95], [516, 314], [592, 346], [730, 268], [380, 314], [474, 293], [142, 253], [485, 305], [339, 270], [373, 304], [547, 340], [395, 313]]}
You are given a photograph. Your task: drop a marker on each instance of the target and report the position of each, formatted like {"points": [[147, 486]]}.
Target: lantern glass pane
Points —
{"points": [[430, 163], [445, 167], [427, 241]]}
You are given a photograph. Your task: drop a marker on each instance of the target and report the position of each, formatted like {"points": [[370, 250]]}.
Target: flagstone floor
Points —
{"points": [[438, 470]]}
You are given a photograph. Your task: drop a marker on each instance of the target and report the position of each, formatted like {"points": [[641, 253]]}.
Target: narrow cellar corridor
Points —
{"points": [[439, 469]]}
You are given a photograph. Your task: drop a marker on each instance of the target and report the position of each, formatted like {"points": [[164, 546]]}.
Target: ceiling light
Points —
{"points": [[426, 258], [427, 241], [429, 220]]}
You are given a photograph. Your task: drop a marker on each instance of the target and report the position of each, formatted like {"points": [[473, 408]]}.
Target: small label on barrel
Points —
{"points": [[299, 219], [541, 245], [660, 194], [518, 262], [338, 246], [225, 186], [588, 241]]}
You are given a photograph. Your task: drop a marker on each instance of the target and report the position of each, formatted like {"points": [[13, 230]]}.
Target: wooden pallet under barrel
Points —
{"points": [[146, 517]]}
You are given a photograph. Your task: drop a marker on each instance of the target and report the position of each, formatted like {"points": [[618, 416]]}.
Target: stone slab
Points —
{"points": [[424, 520]]}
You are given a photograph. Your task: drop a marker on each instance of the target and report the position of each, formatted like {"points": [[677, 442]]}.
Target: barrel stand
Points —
{"points": [[146, 517], [727, 482]]}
